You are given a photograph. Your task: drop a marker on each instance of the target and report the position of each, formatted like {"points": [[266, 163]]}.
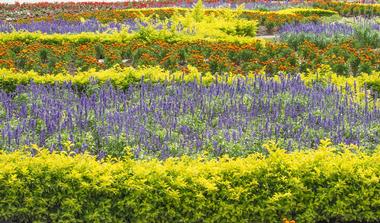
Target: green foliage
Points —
{"points": [[43, 54], [317, 186], [365, 36], [219, 25], [297, 40], [198, 11], [349, 9], [99, 50], [241, 29]]}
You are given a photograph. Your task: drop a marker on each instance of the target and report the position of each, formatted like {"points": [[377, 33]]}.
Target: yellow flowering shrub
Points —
{"points": [[323, 185], [120, 77], [308, 11], [123, 36]]}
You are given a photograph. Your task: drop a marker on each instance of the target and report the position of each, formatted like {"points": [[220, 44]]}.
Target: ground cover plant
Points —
{"points": [[174, 111]]}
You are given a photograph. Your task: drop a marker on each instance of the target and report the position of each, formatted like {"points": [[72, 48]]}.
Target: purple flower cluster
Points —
{"points": [[256, 5], [176, 118], [363, 22], [65, 27], [60, 26], [376, 26], [326, 29], [274, 5]]}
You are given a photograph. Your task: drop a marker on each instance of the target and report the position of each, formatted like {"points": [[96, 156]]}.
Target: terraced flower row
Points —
{"points": [[271, 20], [35, 11], [215, 57], [173, 119]]}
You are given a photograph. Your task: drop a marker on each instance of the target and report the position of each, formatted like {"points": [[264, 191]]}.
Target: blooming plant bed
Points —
{"points": [[170, 111]]}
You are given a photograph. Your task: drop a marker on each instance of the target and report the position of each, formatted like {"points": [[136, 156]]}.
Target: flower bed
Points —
{"points": [[111, 114], [172, 119], [269, 19], [53, 55]]}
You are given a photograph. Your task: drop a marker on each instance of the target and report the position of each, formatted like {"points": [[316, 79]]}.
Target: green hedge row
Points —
{"points": [[316, 186]]}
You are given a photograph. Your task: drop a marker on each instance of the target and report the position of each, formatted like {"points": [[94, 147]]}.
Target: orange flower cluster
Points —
{"points": [[216, 57], [285, 220]]}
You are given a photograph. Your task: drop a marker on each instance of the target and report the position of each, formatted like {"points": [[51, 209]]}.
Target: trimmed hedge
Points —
{"points": [[124, 77], [308, 12], [323, 185]]}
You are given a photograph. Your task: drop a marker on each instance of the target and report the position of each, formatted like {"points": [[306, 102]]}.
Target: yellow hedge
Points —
{"points": [[119, 77], [321, 185], [123, 77], [308, 11]]}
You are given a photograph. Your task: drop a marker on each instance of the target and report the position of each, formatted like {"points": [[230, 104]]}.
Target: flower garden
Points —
{"points": [[175, 111]]}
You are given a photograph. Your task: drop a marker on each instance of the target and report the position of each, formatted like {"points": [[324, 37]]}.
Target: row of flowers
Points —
{"points": [[349, 9], [123, 77], [174, 118], [20, 11], [216, 57], [363, 33], [271, 20]]}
